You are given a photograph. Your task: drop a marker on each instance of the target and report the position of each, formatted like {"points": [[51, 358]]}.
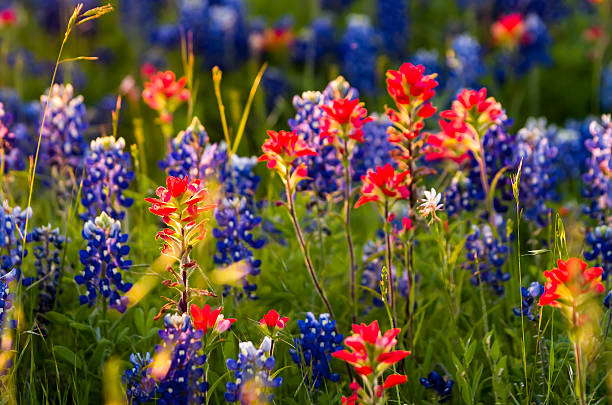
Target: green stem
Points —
{"points": [[347, 226], [389, 261]]}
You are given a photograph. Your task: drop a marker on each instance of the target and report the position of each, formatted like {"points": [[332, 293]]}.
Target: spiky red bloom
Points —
{"points": [[508, 30], [383, 184], [343, 119], [470, 116], [412, 91], [180, 205], [164, 93], [273, 320], [281, 149], [371, 351], [570, 280], [205, 318]]}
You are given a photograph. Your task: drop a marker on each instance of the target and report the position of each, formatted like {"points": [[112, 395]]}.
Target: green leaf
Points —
{"points": [[57, 318], [139, 321], [67, 356], [79, 326]]}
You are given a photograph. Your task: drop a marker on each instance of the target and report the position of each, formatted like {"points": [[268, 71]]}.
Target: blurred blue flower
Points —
{"points": [[374, 151], [103, 260], [358, 53], [597, 180], [314, 346], [599, 241], [529, 301], [393, 25], [442, 387], [486, 256], [316, 42], [15, 143], [465, 65]]}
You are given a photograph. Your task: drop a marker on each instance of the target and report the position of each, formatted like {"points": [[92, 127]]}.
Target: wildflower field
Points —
{"points": [[305, 202]]}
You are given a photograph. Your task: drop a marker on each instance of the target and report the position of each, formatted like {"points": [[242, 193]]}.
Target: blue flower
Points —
{"points": [[442, 387], [6, 301], [12, 227], [430, 58], [276, 86], [529, 301], [374, 151], [600, 242], [108, 174], [569, 142], [313, 348], [253, 373], [534, 146], [393, 25], [358, 49], [183, 382], [235, 240], [549, 10], [605, 88], [608, 299], [103, 260], [597, 181], [14, 142], [48, 245], [316, 43], [486, 256], [464, 60]]}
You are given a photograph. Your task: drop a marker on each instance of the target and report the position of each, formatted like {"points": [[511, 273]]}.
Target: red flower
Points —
{"points": [[165, 94], [370, 349], [382, 184], [411, 90], [8, 17], [281, 149], [508, 30], [470, 116], [273, 320], [205, 318], [343, 119], [394, 379], [180, 205], [570, 280]]}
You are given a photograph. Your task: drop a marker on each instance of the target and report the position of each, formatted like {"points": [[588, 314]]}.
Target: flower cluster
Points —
{"points": [[108, 174], [464, 59], [314, 347], [253, 373], [508, 31], [384, 186], [281, 151], [14, 143], [236, 222], [103, 260], [164, 93], [463, 126], [486, 256], [6, 301], [600, 241], [272, 322], [181, 205], [374, 151], [342, 123], [206, 319], [63, 147], [393, 24], [358, 49], [48, 246], [412, 92], [598, 178], [529, 304], [175, 375], [569, 282], [371, 353], [12, 228], [442, 387]]}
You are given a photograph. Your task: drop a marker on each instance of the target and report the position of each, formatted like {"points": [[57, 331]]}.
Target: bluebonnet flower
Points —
{"points": [[570, 144], [226, 42], [140, 17], [180, 379], [548, 10], [529, 302], [465, 193], [358, 48], [442, 387], [464, 61], [276, 86], [103, 259], [140, 385], [597, 178], [252, 371], [48, 244], [240, 179], [15, 143], [490, 253], [538, 181], [535, 47], [235, 241], [608, 300], [393, 25], [374, 151], [63, 148], [6, 302], [605, 88], [313, 348], [600, 242], [12, 228], [316, 42], [108, 174]]}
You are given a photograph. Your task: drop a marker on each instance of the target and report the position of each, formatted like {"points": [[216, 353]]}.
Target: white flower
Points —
{"points": [[430, 204]]}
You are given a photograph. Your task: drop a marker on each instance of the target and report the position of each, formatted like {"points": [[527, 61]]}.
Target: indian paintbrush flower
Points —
{"points": [[164, 93], [206, 319]]}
